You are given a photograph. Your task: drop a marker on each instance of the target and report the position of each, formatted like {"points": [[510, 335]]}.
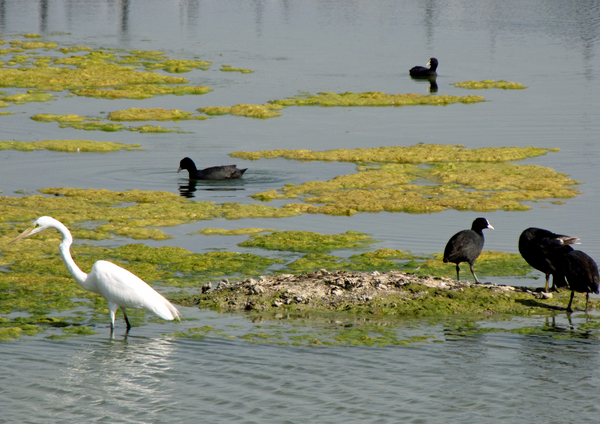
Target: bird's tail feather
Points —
{"points": [[166, 310]]}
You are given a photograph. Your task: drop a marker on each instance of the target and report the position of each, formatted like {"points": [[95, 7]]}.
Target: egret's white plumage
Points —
{"points": [[119, 287]]}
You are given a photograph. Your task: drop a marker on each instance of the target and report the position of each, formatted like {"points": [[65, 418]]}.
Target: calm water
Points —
{"points": [[295, 46]]}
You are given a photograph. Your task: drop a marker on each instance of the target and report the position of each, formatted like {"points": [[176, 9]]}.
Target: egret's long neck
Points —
{"points": [[65, 253]]}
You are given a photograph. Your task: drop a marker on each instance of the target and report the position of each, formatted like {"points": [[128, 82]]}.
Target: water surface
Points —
{"points": [[311, 46]]}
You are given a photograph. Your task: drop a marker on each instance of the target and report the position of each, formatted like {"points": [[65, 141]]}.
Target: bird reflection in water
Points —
{"points": [[426, 74], [188, 188], [433, 88]]}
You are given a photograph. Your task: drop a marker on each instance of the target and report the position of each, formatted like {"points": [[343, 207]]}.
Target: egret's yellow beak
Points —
{"points": [[24, 234]]}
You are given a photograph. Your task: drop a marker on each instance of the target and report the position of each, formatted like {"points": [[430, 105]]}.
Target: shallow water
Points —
{"points": [[296, 46], [454, 378]]}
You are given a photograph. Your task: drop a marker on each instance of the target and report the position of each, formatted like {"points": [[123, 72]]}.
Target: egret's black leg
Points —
{"points": [[126, 319]]}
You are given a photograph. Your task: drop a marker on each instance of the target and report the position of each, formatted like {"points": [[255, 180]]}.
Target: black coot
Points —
{"points": [[543, 249], [423, 72], [225, 172], [466, 246], [582, 276]]}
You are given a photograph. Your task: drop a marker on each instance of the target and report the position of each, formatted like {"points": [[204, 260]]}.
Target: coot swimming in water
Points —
{"points": [[466, 246], [225, 172], [423, 72], [582, 276], [543, 249]]}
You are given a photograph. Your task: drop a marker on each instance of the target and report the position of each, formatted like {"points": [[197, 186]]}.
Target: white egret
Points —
{"points": [[119, 287]]}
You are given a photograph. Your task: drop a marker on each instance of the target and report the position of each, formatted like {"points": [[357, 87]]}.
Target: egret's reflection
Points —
{"points": [[106, 378]]}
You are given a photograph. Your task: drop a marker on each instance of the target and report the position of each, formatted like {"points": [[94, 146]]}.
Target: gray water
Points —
{"points": [[310, 46]]}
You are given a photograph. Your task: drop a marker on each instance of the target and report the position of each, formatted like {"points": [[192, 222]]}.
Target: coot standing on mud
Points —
{"points": [[225, 172], [582, 276], [423, 72], [543, 250], [466, 246]]}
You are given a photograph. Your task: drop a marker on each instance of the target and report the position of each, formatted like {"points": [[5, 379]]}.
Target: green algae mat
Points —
{"points": [[423, 178], [34, 281]]}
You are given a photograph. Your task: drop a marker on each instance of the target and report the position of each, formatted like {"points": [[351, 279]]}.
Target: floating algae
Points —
{"points": [[422, 179], [332, 99], [251, 111], [97, 73], [74, 49], [141, 91], [48, 117], [418, 153], [229, 68], [71, 146], [374, 98], [307, 241], [91, 124], [31, 96], [478, 85], [179, 66], [234, 232], [153, 114], [138, 211], [31, 45]]}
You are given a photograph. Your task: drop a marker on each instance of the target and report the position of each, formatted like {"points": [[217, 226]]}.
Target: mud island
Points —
{"points": [[394, 293]]}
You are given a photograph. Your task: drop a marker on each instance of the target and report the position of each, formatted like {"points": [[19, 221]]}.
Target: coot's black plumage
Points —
{"points": [[225, 172], [582, 276], [543, 249], [466, 246], [423, 72]]}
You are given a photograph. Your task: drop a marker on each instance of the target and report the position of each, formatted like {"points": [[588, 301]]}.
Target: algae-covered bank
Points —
{"points": [[394, 293]]}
